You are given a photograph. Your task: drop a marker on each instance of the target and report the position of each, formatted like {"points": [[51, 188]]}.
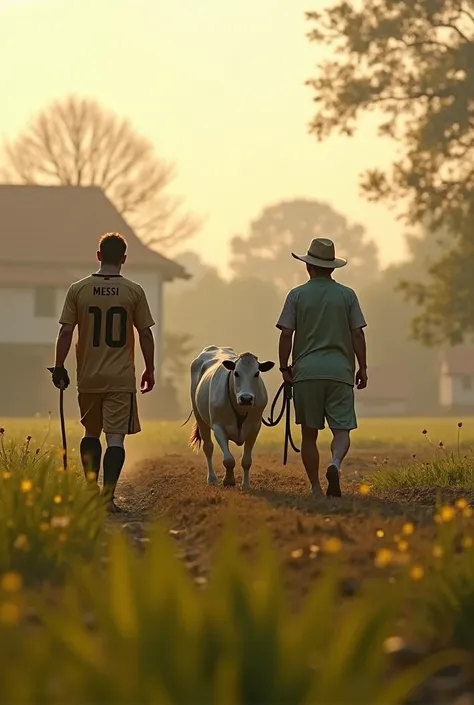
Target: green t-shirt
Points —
{"points": [[322, 313]]}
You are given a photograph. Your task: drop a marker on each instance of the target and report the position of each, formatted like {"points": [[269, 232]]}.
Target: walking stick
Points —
{"points": [[63, 423]]}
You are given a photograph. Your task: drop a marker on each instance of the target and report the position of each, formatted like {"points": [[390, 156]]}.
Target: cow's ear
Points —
{"points": [[229, 364], [266, 366]]}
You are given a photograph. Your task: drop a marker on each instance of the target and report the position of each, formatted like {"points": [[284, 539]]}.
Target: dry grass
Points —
{"points": [[380, 436]]}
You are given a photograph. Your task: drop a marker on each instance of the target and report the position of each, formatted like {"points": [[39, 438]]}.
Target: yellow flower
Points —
{"points": [[380, 534], [364, 489], [438, 551], [461, 503], [21, 542], [9, 613], [91, 477], [383, 558], [26, 486], [297, 553], [11, 582], [333, 545], [467, 512], [6, 475], [57, 499], [417, 572], [467, 542], [408, 528], [403, 546], [313, 548], [447, 514]]}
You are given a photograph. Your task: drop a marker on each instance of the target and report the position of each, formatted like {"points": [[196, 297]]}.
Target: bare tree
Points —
{"points": [[77, 142]]}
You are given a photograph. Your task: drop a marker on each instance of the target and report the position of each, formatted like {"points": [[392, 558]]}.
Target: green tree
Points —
{"points": [[389, 325], [76, 142], [178, 352], [413, 62], [290, 226]]}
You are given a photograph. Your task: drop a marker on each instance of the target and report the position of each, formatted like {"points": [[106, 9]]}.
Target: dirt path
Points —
{"points": [[173, 489]]}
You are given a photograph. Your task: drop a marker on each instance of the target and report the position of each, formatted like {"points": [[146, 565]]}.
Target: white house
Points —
{"points": [[48, 239], [386, 393], [456, 381]]}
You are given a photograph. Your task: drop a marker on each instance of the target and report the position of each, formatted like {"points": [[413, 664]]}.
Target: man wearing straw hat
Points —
{"points": [[322, 324]]}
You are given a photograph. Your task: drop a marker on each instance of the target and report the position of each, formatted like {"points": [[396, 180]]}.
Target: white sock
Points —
{"points": [[337, 463]]}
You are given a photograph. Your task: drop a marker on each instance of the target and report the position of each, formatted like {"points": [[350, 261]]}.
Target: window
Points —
{"points": [[467, 383], [45, 302]]}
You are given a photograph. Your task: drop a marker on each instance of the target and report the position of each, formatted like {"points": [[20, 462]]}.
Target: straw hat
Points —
{"points": [[321, 253]]}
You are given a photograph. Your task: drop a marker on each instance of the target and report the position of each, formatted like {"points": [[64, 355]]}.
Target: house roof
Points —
{"points": [[61, 225], [386, 383], [458, 360]]}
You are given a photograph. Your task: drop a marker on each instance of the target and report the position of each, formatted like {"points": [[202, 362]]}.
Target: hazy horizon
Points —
{"points": [[219, 89]]}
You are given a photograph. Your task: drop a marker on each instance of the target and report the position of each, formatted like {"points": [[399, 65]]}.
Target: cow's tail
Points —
{"points": [[195, 437]]}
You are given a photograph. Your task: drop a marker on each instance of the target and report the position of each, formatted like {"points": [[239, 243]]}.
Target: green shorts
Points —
{"points": [[319, 399]]}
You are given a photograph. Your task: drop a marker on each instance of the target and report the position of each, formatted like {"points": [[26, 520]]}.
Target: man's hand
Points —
{"points": [[361, 378], [60, 377], [287, 376], [147, 382]]}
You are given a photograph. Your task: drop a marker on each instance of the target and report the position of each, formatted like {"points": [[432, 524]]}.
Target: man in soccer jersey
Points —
{"points": [[106, 307]]}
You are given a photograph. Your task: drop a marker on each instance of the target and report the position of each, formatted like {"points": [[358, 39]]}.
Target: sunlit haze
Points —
{"points": [[217, 85]]}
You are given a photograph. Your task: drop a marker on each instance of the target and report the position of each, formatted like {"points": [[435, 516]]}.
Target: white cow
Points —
{"points": [[228, 397]]}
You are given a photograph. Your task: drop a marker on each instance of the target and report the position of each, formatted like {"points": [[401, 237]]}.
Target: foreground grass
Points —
{"points": [[48, 518], [131, 627], [152, 636]]}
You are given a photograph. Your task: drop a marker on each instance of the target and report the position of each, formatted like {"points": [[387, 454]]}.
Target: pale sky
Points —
{"points": [[217, 85]]}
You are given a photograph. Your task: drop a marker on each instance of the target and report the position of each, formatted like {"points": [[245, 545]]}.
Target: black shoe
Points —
{"points": [[334, 487]]}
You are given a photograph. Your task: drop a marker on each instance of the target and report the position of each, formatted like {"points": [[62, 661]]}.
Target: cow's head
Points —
{"points": [[246, 371]]}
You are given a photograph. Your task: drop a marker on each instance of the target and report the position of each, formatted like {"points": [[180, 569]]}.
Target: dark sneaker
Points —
{"points": [[334, 487]]}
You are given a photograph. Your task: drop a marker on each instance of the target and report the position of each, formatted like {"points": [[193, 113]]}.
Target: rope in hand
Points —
{"points": [[287, 391]]}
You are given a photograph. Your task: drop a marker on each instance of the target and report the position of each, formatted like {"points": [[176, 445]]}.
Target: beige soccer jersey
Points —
{"points": [[106, 308]]}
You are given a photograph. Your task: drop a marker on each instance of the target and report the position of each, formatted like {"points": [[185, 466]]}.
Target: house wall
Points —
{"points": [[446, 389], [18, 323], [454, 394]]}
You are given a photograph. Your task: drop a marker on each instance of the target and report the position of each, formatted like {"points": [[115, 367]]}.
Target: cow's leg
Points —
{"points": [[208, 447], [228, 460], [247, 457]]}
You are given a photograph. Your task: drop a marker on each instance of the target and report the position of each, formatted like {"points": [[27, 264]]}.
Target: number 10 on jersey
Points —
{"points": [[110, 315]]}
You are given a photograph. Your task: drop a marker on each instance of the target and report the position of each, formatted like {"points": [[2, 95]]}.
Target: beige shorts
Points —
{"points": [[111, 412]]}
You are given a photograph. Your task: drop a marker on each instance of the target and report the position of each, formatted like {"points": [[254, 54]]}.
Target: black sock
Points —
{"points": [[114, 459], [91, 454]]}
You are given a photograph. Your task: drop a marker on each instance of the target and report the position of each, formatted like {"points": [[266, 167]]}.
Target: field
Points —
{"points": [[405, 513]]}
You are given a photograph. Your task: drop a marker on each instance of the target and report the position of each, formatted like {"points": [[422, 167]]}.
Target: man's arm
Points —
{"points": [[357, 324], [68, 322], [63, 344], [147, 346], [285, 346], [143, 321], [360, 350]]}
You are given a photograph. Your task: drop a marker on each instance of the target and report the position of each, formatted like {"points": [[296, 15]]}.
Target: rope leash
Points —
{"points": [[287, 391]]}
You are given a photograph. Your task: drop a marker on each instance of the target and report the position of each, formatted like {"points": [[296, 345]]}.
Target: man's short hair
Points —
{"points": [[112, 248]]}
